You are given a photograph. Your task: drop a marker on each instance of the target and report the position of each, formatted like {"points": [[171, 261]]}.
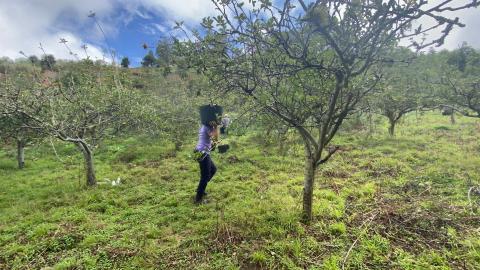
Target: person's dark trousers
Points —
{"points": [[224, 130], [207, 171]]}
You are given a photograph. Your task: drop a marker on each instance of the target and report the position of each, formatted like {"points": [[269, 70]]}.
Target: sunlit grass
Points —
{"points": [[402, 201]]}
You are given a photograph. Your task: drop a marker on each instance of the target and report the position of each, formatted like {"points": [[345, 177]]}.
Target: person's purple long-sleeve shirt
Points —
{"points": [[204, 140]]}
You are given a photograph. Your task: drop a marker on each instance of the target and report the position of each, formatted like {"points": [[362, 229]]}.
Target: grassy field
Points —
{"points": [[380, 203]]}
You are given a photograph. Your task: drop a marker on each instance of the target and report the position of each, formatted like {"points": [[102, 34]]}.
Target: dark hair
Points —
{"points": [[212, 124], [209, 113]]}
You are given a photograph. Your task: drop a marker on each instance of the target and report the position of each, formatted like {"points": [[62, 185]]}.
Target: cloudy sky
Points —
{"points": [[24, 24]]}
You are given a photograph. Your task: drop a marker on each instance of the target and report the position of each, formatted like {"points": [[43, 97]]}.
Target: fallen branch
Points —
{"points": [[475, 189], [367, 224], [55, 151]]}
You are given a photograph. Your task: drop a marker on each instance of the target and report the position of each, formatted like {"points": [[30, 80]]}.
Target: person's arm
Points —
{"points": [[214, 136]]}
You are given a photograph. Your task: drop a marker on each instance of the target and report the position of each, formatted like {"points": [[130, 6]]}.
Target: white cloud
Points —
{"points": [[25, 24], [143, 15], [74, 44], [160, 27], [181, 10]]}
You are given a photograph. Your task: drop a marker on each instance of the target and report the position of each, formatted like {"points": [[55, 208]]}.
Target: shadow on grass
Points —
{"points": [[7, 165]]}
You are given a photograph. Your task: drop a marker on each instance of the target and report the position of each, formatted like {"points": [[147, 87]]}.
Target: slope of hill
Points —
{"points": [[380, 203]]}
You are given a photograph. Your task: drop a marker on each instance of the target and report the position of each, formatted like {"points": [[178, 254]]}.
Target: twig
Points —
{"points": [[426, 190], [367, 224], [55, 150], [348, 253], [470, 198], [93, 16]]}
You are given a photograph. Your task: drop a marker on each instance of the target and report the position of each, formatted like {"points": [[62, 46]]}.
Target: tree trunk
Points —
{"points": [[371, 128], [310, 168], [452, 118], [178, 146], [391, 128], [21, 154], [89, 167]]}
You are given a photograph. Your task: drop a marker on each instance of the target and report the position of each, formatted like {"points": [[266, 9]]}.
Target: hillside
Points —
{"points": [[380, 203]]}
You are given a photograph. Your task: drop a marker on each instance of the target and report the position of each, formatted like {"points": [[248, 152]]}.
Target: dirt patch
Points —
{"points": [[406, 224], [335, 173], [233, 159], [120, 252]]}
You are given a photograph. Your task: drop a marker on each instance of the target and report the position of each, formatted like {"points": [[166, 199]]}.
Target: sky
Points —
{"points": [[127, 24]]}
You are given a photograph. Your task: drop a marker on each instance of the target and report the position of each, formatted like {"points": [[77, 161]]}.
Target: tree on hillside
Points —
{"points": [[16, 127], [4, 63], [81, 106], [175, 108], [308, 65], [125, 62], [165, 55], [47, 62], [13, 125], [405, 87], [34, 59], [463, 81], [149, 60], [175, 117]]}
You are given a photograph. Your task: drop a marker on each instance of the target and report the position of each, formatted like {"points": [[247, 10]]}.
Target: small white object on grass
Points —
{"points": [[116, 182]]}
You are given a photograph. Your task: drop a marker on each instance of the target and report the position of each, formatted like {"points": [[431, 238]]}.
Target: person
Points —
{"points": [[225, 123], [207, 138]]}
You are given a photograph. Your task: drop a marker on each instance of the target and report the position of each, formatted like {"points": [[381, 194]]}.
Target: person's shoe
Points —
{"points": [[201, 201]]}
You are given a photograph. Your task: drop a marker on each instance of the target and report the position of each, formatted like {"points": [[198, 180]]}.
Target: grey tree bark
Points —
{"points": [[178, 145], [89, 165], [452, 118], [309, 180], [391, 128], [21, 154]]}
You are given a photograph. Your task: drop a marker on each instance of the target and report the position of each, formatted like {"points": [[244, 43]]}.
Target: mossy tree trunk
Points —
{"points": [[88, 162], [178, 144], [452, 118], [21, 153], [309, 180], [391, 127]]}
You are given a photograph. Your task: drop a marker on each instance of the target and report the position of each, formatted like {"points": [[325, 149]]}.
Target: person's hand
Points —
{"points": [[214, 145], [214, 134]]}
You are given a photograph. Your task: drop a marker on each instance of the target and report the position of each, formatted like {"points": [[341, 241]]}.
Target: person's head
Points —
{"points": [[213, 124]]}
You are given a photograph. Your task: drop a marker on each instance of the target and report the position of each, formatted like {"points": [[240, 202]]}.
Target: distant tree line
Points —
{"points": [[165, 56]]}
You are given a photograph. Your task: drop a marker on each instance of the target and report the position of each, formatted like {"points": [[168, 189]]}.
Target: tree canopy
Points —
{"points": [[462, 80], [81, 105], [125, 63], [149, 60], [308, 65]]}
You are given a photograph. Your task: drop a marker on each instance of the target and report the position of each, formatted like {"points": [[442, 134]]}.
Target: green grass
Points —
{"points": [[395, 203]]}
